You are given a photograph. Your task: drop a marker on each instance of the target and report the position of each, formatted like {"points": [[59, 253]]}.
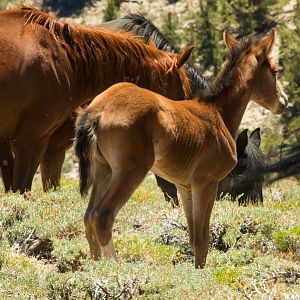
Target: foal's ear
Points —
{"points": [[256, 137], [242, 142], [183, 57], [230, 41], [265, 45]]}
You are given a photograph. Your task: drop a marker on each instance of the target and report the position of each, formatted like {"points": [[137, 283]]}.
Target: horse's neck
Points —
{"points": [[233, 111], [100, 70], [233, 102]]}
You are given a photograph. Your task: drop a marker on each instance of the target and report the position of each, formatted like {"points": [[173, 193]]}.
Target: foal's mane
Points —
{"points": [[226, 75], [144, 28], [92, 49]]}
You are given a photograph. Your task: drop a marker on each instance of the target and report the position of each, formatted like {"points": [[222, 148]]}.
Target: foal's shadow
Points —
{"points": [[65, 8]]}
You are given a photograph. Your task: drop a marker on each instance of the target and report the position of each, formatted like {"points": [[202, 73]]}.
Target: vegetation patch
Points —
{"points": [[227, 274], [155, 260], [288, 240]]}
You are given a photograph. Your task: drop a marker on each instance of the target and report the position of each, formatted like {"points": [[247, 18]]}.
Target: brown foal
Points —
{"points": [[127, 131]]}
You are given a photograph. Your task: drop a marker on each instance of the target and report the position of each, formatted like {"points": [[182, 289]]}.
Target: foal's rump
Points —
{"points": [[114, 127]]}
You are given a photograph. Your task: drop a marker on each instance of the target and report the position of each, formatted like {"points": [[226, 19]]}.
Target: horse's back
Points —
{"points": [[11, 39], [32, 68], [124, 104]]}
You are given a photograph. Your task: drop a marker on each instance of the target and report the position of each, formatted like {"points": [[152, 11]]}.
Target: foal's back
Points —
{"points": [[168, 133]]}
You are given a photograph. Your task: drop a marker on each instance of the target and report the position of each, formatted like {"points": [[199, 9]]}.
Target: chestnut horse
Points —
{"points": [[127, 131], [50, 67]]}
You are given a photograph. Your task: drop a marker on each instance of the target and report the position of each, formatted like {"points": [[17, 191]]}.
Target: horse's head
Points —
{"points": [[266, 88], [245, 181]]}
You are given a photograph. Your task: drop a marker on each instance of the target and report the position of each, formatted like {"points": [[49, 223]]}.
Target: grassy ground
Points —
{"points": [[255, 251]]}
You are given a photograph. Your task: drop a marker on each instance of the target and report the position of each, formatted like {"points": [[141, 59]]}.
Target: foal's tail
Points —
{"points": [[85, 142]]}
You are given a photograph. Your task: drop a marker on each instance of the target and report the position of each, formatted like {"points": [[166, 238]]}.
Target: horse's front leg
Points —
{"points": [[203, 197], [53, 159], [6, 164], [51, 167], [28, 154], [186, 199]]}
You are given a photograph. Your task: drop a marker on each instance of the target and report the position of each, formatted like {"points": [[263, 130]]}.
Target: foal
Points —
{"points": [[127, 131]]}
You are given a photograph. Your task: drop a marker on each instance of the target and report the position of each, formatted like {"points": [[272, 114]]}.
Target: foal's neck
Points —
{"points": [[233, 100]]}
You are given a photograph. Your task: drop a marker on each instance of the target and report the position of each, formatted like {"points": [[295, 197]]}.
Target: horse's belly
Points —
{"points": [[171, 167]]}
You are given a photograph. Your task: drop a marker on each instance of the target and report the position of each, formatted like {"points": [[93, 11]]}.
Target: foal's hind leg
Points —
{"points": [[130, 155], [102, 176], [102, 217]]}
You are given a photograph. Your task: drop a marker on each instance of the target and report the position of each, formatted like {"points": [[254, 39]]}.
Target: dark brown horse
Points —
{"points": [[48, 68], [127, 131]]}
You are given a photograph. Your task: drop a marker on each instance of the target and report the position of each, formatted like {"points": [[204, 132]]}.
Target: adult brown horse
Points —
{"points": [[127, 131], [48, 68]]}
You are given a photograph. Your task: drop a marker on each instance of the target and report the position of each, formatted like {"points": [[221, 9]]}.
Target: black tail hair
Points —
{"points": [[84, 146]]}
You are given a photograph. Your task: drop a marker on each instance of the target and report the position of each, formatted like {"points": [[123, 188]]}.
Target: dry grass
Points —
{"points": [[44, 254]]}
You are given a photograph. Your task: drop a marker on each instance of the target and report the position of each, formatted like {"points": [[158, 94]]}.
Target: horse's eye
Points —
{"points": [[275, 71]]}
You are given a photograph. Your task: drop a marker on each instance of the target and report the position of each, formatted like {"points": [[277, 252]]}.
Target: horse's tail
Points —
{"points": [[85, 145]]}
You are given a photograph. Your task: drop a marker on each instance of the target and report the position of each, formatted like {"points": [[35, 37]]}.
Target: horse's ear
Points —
{"points": [[255, 137], [266, 44], [242, 142], [230, 41], [183, 57]]}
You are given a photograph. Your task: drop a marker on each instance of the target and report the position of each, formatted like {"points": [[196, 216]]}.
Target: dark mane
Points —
{"points": [[256, 163], [87, 45], [225, 77], [144, 28], [244, 183]]}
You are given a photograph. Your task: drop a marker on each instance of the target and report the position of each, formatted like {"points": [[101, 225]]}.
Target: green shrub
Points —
{"points": [[111, 11], [287, 240]]}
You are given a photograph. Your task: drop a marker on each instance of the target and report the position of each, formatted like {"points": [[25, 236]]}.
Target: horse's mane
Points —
{"points": [[91, 48], [255, 157], [250, 167], [225, 77], [144, 28]]}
